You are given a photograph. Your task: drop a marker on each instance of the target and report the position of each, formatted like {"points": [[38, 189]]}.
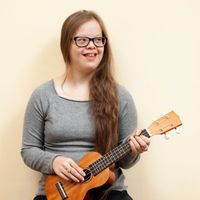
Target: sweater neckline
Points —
{"points": [[62, 97]]}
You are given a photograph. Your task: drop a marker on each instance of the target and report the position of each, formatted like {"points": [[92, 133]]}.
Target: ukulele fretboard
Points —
{"points": [[112, 157]]}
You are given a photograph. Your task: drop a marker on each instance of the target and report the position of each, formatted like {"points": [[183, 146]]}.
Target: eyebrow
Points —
{"points": [[99, 35]]}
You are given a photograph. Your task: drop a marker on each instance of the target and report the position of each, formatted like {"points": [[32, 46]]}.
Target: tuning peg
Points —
{"points": [[164, 113], [166, 137], [176, 131]]}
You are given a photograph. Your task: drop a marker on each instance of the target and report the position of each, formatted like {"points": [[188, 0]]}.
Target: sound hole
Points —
{"points": [[88, 175]]}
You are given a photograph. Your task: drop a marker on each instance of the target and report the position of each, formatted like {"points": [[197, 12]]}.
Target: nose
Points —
{"points": [[91, 45]]}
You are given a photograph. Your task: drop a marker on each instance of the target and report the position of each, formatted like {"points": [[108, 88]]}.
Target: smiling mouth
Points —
{"points": [[90, 54]]}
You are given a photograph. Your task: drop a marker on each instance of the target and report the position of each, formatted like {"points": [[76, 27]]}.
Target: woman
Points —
{"points": [[82, 110]]}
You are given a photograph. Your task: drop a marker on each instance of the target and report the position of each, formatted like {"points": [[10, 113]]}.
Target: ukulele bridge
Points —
{"points": [[61, 190]]}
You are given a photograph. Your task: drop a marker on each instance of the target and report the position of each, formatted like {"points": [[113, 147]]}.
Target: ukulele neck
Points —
{"points": [[113, 156]]}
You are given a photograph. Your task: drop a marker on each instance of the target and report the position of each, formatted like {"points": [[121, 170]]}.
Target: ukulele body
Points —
{"points": [[84, 190]]}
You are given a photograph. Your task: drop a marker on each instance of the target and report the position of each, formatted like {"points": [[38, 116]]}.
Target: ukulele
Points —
{"points": [[96, 166]]}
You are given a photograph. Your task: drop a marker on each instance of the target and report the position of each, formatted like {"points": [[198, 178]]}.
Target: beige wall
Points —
{"points": [[156, 47]]}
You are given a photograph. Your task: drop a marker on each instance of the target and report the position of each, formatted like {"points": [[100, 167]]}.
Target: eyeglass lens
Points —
{"points": [[84, 41]]}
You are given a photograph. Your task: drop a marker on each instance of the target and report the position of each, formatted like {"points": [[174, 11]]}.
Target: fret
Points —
{"points": [[110, 158], [113, 156], [145, 133]]}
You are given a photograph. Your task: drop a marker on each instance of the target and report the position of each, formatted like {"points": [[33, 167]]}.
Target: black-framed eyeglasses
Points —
{"points": [[84, 41]]}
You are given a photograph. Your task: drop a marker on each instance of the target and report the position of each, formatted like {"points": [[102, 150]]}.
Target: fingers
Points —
{"points": [[73, 171], [139, 143], [77, 168], [137, 132], [67, 169], [134, 146]]}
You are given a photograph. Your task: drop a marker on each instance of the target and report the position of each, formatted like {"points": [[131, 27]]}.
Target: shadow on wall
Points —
{"points": [[47, 64], [18, 177]]}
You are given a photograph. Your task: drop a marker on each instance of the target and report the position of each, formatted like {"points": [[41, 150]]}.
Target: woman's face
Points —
{"points": [[86, 59]]}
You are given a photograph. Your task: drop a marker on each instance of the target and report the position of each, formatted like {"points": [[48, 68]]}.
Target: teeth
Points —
{"points": [[90, 54]]}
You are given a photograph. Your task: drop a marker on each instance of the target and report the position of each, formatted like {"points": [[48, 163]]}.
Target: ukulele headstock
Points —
{"points": [[164, 124]]}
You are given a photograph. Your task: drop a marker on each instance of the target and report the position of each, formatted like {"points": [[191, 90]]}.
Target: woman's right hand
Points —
{"points": [[67, 169]]}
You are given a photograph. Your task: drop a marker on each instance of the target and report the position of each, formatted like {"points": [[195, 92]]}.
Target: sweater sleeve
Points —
{"points": [[33, 151], [127, 124]]}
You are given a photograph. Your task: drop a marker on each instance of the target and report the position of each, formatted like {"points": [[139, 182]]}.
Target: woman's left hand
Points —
{"points": [[139, 143]]}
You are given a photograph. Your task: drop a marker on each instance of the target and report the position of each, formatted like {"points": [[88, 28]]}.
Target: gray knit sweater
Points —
{"points": [[54, 126]]}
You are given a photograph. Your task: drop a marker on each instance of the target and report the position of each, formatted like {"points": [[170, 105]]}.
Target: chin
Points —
{"points": [[92, 65], [90, 68]]}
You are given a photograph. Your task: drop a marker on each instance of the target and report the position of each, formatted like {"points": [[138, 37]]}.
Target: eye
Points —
{"points": [[98, 40], [82, 40]]}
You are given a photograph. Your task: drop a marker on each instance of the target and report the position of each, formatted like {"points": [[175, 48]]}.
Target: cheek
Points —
{"points": [[101, 53], [75, 53]]}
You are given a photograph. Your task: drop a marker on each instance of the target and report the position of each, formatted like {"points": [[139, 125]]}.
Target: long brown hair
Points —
{"points": [[103, 91]]}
